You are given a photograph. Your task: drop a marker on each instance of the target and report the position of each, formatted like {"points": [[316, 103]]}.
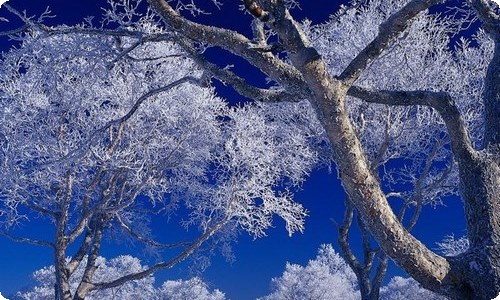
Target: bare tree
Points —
{"points": [[305, 74]]}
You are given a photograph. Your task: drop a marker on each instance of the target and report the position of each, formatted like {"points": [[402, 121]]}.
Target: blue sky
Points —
{"points": [[257, 261]]}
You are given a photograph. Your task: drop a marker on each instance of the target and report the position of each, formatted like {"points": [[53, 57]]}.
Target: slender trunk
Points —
{"points": [[85, 286], [62, 288]]}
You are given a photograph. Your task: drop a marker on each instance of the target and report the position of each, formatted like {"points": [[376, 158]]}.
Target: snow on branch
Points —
{"points": [[388, 32]]}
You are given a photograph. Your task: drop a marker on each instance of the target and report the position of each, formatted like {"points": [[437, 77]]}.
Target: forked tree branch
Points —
{"points": [[80, 254], [239, 84]]}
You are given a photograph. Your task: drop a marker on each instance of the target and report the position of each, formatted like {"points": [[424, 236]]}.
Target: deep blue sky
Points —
{"points": [[257, 261]]}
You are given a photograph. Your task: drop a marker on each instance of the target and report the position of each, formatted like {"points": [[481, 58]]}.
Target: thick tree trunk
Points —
{"points": [[479, 268]]}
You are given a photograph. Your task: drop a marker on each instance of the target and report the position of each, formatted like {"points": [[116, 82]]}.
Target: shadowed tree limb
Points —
{"points": [[27, 240]]}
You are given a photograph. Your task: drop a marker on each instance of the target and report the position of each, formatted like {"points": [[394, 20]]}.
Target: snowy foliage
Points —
{"points": [[77, 123], [450, 246], [400, 288], [325, 277], [108, 269], [329, 277], [193, 288], [93, 125]]}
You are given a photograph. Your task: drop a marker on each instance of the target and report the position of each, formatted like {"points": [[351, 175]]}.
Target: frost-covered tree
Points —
{"points": [[325, 277], [405, 146], [454, 109], [193, 288], [45, 279], [99, 133], [400, 288], [306, 74], [328, 276]]}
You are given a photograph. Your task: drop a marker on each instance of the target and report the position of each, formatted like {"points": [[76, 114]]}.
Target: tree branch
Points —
{"points": [[147, 240], [388, 32], [344, 236], [40, 209], [29, 23], [85, 285], [163, 265], [234, 42], [141, 41], [80, 254], [27, 240], [14, 31], [441, 102], [238, 83]]}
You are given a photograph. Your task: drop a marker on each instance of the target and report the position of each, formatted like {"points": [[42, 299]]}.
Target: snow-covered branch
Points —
{"points": [[388, 32]]}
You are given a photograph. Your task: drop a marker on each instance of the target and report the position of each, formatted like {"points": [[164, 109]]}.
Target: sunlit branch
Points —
{"points": [[235, 43], [388, 33]]}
